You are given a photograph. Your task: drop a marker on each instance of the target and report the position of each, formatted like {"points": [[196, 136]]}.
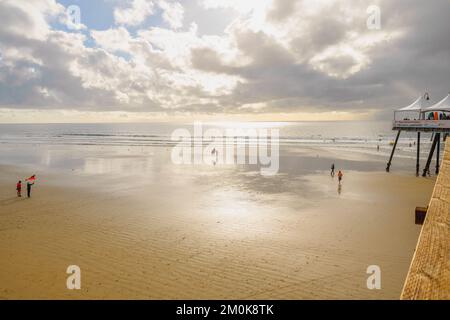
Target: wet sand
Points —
{"points": [[182, 232]]}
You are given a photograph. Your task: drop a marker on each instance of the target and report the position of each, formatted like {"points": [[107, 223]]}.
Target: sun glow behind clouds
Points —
{"points": [[269, 58]]}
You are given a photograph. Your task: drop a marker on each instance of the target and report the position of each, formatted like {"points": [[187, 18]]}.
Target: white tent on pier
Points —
{"points": [[416, 105], [443, 105], [414, 109]]}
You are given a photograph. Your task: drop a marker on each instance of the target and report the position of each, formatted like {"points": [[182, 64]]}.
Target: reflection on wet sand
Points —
{"points": [[141, 227]]}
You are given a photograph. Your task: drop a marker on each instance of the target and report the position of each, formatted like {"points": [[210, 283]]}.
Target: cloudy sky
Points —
{"points": [[144, 60]]}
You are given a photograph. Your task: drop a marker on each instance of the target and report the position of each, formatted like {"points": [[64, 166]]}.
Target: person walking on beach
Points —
{"points": [[30, 181], [340, 175], [19, 188], [29, 189], [332, 170]]}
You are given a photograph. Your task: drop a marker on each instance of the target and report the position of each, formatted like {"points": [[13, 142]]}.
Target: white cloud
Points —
{"points": [[112, 39], [274, 57], [237, 5], [134, 13], [28, 18], [173, 13]]}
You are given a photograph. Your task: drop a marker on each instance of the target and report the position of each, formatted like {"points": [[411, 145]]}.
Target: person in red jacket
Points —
{"points": [[19, 188]]}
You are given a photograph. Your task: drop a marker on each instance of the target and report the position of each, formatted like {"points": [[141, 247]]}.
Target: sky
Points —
{"points": [[199, 60]]}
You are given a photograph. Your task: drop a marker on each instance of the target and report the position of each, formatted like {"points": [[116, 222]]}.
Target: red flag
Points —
{"points": [[31, 179]]}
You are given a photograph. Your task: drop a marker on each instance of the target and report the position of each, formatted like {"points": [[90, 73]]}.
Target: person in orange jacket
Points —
{"points": [[340, 175]]}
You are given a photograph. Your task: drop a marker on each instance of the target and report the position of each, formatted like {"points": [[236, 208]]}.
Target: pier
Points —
{"points": [[429, 274], [418, 118], [440, 129]]}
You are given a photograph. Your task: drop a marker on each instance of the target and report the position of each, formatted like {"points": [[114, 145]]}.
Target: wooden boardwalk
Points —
{"points": [[429, 273]]}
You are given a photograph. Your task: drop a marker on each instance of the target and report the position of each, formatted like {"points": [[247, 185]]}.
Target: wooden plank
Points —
{"points": [[429, 273]]}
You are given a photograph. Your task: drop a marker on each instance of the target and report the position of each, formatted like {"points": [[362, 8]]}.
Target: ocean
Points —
{"points": [[69, 145], [358, 134]]}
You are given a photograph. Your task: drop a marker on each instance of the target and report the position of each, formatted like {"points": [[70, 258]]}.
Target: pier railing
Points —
{"points": [[429, 273], [421, 125]]}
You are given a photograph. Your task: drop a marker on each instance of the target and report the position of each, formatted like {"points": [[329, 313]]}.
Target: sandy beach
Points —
{"points": [[204, 232], [194, 150]]}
